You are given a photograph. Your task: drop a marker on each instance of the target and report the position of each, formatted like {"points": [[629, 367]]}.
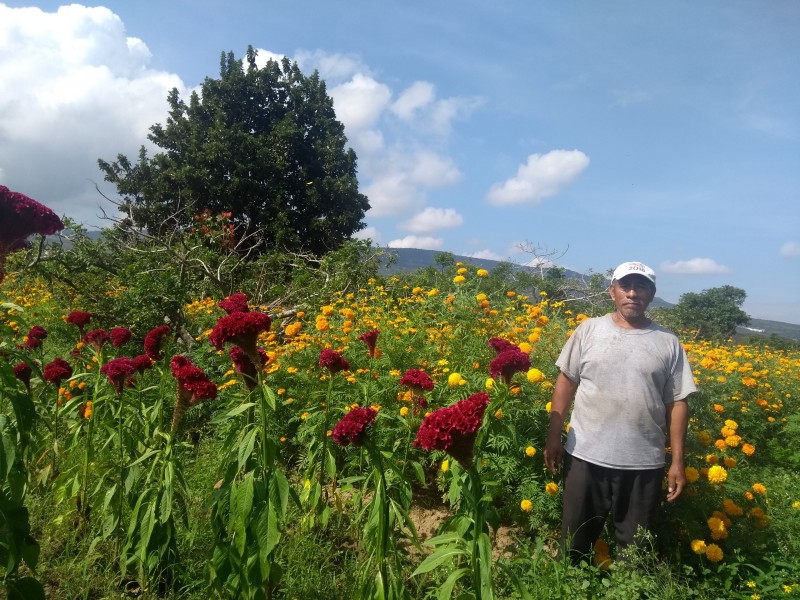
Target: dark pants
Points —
{"points": [[592, 493]]}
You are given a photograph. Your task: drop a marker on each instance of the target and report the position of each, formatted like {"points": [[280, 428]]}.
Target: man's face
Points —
{"points": [[632, 295]]}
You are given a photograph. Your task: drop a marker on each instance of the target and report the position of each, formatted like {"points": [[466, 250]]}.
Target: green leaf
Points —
{"points": [[246, 447], [437, 558], [25, 588], [446, 589], [239, 409], [8, 447]]}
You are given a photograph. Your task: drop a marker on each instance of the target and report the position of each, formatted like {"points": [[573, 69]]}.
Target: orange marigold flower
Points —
{"points": [[748, 449], [551, 488], [759, 488], [691, 474], [714, 553]]}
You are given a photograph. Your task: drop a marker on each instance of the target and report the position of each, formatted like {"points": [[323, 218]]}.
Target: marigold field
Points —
{"points": [[193, 474]]}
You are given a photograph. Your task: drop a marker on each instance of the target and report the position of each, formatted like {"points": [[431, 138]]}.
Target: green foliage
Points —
{"points": [[713, 313], [260, 143]]}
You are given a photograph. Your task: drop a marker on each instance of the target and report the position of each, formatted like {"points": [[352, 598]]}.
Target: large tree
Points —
{"points": [[261, 143], [713, 313]]}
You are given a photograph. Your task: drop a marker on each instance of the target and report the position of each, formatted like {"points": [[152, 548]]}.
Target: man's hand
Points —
{"points": [[676, 481], [554, 452]]}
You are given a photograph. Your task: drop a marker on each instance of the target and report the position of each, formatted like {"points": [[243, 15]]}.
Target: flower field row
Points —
{"points": [[353, 408]]}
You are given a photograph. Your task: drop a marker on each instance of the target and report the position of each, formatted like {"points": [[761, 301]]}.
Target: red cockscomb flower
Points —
{"points": [[35, 336], [333, 361], [22, 371], [235, 303], [370, 338], [152, 342], [509, 361], [454, 428], [79, 317], [119, 336], [245, 366], [499, 344], [352, 428], [242, 329], [97, 338], [142, 362], [57, 371], [20, 217], [417, 379], [193, 387], [118, 370]]}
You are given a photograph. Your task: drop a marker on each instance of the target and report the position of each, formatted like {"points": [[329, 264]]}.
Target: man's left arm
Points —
{"points": [[677, 422]]}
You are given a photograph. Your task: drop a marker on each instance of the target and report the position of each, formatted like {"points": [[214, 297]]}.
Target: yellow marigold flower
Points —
{"points": [[535, 376], [548, 406], [691, 474], [327, 310], [796, 505], [403, 411], [699, 546], [732, 441], [534, 337], [304, 416], [431, 293], [489, 383], [525, 347], [721, 379], [455, 379], [759, 488], [731, 508], [526, 505], [749, 382], [482, 273], [704, 437], [445, 465], [717, 474], [714, 553], [748, 449], [551, 488], [322, 324], [580, 317], [530, 451], [751, 584], [731, 424], [498, 414], [542, 320], [459, 279], [480, 297]]}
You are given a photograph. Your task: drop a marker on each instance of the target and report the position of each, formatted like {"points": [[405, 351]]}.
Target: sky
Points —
{"points": [[582, 133]]}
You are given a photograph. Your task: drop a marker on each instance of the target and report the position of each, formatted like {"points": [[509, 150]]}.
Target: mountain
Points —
{"points": [[413, 259]]}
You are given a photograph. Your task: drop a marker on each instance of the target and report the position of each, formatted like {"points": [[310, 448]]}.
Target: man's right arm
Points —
{"points": [[563, 395]]}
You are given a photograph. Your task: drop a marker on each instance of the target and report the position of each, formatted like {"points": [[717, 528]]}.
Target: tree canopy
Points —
{"points": [[262, 144], [712, 313]]}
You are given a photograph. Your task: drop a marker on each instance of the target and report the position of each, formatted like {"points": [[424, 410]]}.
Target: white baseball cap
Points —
{"points": [[634, 268]]}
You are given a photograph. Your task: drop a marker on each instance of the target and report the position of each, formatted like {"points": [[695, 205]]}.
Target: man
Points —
{"points": [[629, 379]]}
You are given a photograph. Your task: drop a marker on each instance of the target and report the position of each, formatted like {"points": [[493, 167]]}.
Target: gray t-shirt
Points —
{"points": [[625, 378]]}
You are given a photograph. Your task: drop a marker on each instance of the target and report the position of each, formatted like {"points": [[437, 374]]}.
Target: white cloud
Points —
{"points": [[416, 96], [433, 219], [360, 102], [543, 176], [75, 89], [790, 250], [415, 241], [695, 266], [398, 180], [368, 233], [391, 194], [486, 254]]}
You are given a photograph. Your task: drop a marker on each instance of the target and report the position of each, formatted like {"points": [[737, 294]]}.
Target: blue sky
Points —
{"points": [[595, 132]]}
